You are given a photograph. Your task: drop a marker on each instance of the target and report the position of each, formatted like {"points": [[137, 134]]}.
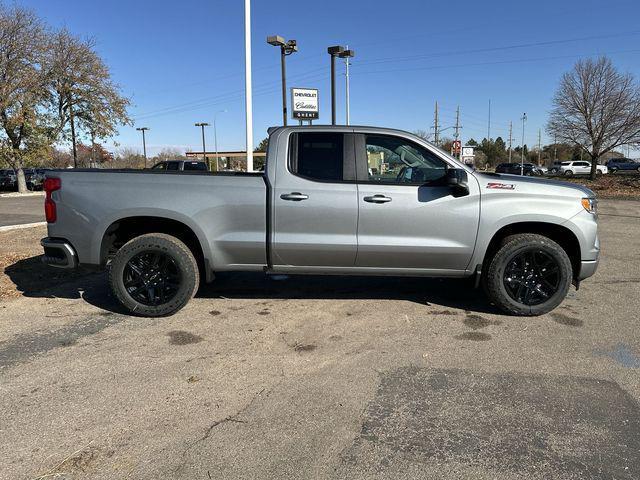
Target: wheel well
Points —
{"points": [[121, 231], [559, 234]]}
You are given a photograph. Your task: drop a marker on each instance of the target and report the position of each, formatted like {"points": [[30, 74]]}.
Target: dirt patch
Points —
{"points": [[610, 185], [21, 269], [474, 336], [304, 347], [443, 312], [180, 337], [477, 322], [563, 319], [215, 313]]}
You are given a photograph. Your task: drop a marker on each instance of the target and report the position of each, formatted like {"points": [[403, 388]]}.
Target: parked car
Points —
{"points": [[580, 168], [8, 180], [180, 166], [34, 178], [317, 209], [528, 169], [627, 164]]}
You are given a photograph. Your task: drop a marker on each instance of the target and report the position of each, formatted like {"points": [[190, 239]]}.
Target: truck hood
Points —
{"points": [[504, 183]]}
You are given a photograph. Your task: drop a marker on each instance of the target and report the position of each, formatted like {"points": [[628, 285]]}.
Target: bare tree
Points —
{"points": [[21, 85], [83, 95], [597, 108]]}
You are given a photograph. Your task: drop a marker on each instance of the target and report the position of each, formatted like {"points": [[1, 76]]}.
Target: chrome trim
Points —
{"points": [[68, 258]]}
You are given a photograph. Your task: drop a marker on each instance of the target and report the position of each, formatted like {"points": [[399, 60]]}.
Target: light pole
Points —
{"points": [[215, 136], [524, 119], [204, 147], [334, 51], [144, 143], [286, 48], [347, 54], [248, 96]]}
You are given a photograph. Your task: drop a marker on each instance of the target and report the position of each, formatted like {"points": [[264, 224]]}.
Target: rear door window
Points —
{"points": [[173, 166], [318, 156]]}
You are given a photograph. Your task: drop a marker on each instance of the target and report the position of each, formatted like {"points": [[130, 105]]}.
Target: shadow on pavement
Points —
{"points": [[35, 279]]}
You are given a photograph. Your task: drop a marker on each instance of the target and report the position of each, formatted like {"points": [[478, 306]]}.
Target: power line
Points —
{"points": [[494, 49]]}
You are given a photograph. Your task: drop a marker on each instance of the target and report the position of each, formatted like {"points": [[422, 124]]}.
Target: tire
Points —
{"points": [[500, 288], [553, 171], [614, 170], [638, 169], [168, 286], [568, 173]]}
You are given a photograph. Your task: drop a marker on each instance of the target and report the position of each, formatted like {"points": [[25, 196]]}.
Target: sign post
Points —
{"points": [[304, 104]]}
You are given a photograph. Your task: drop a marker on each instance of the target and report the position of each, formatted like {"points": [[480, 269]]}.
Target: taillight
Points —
{"points": [[50, 185]]}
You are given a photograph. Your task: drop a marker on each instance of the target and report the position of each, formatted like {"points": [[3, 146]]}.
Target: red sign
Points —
{"points": [[456, 146]]}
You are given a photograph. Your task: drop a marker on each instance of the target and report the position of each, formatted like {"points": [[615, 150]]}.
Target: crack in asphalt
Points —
{"points": [[230, 418]]}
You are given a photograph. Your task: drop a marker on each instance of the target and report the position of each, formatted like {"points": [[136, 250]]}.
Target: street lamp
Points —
{"points": [[215, 136], [286, 48], [204, 148], [144, 143], [347, 54], [334, 51]]}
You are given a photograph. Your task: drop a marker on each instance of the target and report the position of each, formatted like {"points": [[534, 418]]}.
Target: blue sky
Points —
{"points": [[181, 62]]}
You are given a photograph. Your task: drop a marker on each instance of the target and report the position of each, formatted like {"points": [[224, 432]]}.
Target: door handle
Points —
{"points": [[294, 196], [377, 199]]}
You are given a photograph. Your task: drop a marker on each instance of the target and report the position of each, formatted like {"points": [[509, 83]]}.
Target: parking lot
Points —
{"points": [[309, 377]]}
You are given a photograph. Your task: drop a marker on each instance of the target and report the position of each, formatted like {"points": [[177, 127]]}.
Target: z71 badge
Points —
{"points": [[501, 186]]}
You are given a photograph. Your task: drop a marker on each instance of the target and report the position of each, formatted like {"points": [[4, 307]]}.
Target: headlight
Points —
{"points": [[590, 205]]}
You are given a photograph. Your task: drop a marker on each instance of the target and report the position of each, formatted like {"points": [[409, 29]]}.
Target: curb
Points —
{"points": [[8, 228], [18, 195]]}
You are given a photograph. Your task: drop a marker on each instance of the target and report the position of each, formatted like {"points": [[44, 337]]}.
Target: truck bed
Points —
{"points": [[227, 211]]}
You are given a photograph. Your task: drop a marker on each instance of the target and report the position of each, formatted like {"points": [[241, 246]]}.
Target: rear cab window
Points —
{"points": [[195, 166]]}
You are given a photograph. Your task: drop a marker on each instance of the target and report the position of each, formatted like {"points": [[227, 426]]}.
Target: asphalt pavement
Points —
{"points": [[326, 377], [21, 210]]}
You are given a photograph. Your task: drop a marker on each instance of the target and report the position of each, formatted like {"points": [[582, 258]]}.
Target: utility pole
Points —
{"points": [[539, 147], [524, 119], [144, 143], [247, 84], [489, 123], [334, 51], [204, 147], [457, 132], [436, 127], [347, 54], [510, 138]]}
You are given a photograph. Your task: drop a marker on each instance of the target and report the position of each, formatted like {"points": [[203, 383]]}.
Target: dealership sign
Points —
{"points": [[304, 103]]}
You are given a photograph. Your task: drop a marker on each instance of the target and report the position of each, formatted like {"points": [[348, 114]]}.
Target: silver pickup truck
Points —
{"points": [[331, 201]]}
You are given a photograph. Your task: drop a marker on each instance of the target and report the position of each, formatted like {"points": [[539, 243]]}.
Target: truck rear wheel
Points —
{"points": [[530, 274], [154, 275]]}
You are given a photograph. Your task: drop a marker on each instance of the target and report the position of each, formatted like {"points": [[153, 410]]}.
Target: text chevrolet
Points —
{"points": [[332, 200]]}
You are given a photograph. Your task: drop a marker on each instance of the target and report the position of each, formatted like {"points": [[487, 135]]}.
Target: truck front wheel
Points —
{"points": [[154, 275], [530, 274]]}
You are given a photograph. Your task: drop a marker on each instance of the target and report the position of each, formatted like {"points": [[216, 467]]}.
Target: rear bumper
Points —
{"points": [[59, 253]]}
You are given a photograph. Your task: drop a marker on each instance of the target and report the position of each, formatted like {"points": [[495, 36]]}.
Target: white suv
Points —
{"points": [[580, 168]]}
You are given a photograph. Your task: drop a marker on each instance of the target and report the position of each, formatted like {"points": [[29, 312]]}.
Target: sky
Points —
{"points": [[183, 62]]}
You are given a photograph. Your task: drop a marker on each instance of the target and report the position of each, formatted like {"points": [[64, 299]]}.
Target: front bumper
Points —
{"points": [[59, 253], [587, 268]]}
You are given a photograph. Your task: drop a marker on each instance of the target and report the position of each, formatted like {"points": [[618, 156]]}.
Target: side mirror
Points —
{"points": [[456, 179]]}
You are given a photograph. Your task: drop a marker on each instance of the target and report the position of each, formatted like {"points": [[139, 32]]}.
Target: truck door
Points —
{"points": [[315, 209], [408, 217]]}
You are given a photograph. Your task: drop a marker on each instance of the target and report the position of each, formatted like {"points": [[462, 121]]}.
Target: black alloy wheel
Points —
{"points": [[532, 277], [151, 278]]}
